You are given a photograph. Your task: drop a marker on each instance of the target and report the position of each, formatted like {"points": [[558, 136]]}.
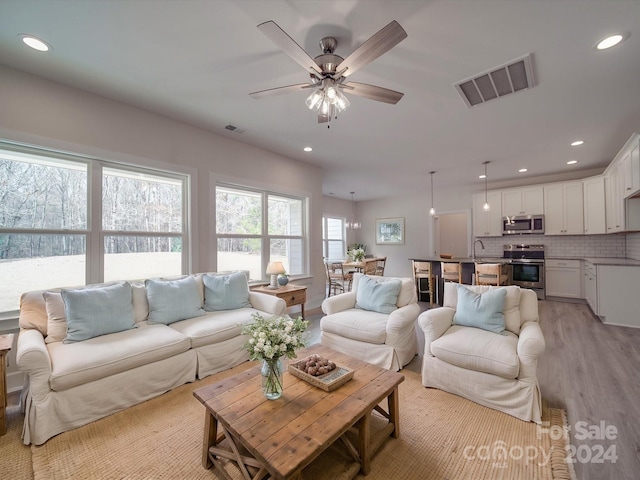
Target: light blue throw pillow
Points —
{"points": [[226, 292], [173, 300], [377, 296], [92, 312], [481, 310]]}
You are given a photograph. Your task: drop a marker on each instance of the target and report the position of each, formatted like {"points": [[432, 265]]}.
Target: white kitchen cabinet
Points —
{"points": [[614, 183], [629, 159], [591, 285], [563, 278], [595, 219], [563, 209], [523, 201], [487, 223], [617, 300]]}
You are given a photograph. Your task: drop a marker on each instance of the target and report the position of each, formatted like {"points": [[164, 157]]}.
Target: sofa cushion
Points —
{"points": [[92, 312], [378, 296], [479, 350], [215, 327], [362, 325], [226, 292], [480, 310], [78, 363], [56, 317], [173, 300]]}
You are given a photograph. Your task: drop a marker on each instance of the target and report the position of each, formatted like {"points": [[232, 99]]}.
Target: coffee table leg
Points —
{"points": [[364, 439], [210, 438], [394, 412]]}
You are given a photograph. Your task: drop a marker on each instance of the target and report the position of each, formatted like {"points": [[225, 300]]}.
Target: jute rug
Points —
{"points": [[442, 437]]}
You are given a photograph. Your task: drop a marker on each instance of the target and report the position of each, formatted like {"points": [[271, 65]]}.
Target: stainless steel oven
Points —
{"points": [[527, 266]]}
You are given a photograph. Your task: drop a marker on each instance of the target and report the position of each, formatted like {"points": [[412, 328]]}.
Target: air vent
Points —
{"points": [[233, 128], [497, 82]]}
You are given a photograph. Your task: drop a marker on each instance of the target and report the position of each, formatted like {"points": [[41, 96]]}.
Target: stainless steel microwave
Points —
{"points": [[524, 224]]}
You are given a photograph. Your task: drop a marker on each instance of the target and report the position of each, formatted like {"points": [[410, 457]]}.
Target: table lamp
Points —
{"points": [[274, 269]]}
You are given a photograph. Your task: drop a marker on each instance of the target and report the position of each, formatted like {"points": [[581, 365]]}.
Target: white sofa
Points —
{"points": [[72, 384], [385, 339], [494, 370]]}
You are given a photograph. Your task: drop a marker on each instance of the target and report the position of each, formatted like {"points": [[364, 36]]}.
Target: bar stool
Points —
{"points": [[451, 272], [423, 274], [490, 274]]}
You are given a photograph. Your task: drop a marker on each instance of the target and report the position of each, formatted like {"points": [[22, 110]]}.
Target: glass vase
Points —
{"points": [[272, 378]]}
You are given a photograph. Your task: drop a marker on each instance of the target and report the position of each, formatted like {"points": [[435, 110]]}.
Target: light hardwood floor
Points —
{"points": [[590, 370]]}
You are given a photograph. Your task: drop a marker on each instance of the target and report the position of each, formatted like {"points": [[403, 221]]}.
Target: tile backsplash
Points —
{"points": [[633, 245], [569, 246]]}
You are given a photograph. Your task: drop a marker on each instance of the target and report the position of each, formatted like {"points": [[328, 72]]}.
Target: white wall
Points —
{"points": [[44, 113]]}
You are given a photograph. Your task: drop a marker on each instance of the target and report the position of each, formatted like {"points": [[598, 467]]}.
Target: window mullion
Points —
{"points": [[95, 239]]}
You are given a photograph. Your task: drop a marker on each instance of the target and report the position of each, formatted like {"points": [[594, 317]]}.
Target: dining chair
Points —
{"points": [[424, 280], [369, 266], [339, 280], [451, 271], [380, 263], [490, 274]]}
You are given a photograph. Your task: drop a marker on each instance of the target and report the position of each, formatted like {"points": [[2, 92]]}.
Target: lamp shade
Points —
{"points": [[275, 268]]}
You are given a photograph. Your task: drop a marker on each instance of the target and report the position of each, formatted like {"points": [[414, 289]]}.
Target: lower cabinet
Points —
{"points": [[612, 293], [563, 278]]}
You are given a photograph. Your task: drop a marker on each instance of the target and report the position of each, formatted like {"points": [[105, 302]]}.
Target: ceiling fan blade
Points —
{"points": [[289, 46], [381, 42], [281, 90], [373, 93]]}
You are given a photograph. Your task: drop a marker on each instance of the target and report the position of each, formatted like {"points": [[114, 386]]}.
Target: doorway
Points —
{"points": [[451, 234]]}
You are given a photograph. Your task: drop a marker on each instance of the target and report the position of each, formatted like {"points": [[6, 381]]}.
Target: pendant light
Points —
{"points": [[433, 210], [353, 225], [486, 207]]}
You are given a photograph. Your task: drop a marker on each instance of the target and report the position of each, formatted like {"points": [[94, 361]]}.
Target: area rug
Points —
{"points": [[442, 436]]}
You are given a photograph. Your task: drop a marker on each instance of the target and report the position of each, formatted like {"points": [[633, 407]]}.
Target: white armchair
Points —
{"points": [[497, 371], [385, 339]]}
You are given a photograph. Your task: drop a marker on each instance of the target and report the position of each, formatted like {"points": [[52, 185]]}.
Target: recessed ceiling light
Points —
{"points": [[308, 149], [610, 41], [577, 143], [35, 43], [522, 170], [572, 162], [482, 176]]}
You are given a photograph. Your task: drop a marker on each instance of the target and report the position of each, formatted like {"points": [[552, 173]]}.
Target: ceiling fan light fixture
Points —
{"points": [[314, 100]]}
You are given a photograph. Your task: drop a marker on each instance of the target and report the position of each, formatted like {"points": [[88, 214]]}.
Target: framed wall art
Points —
{"points": [[390, 231]]}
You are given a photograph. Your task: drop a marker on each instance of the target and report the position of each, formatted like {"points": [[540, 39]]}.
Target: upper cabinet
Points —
{"points": [[523, 201], [614, 186], [630, 166], [594, 206], [563, 209], [487, 223]]}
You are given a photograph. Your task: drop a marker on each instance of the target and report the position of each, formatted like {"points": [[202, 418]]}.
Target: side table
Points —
{"points": [[291, 294], [6, 341]]}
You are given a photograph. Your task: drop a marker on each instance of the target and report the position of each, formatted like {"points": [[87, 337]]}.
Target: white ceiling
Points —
{"points": [[197, 61]]}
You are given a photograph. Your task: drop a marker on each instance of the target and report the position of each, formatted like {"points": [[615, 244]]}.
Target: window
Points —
{"points": [[254, 228], [333, 238], [49, 239]]}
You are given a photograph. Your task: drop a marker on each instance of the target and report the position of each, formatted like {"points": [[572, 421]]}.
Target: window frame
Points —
{"points": [[326, 240], [264, 237], [94, 234]]}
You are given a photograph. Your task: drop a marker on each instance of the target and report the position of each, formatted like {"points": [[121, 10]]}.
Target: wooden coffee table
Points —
{"points": [[281, 437]]}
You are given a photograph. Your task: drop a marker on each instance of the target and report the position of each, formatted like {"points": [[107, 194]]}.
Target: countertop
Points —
{"points": [[594, 260], [464, 260]]}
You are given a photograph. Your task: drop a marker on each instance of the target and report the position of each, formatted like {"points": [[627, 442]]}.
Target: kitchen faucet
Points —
{"points": [[474, 247]]}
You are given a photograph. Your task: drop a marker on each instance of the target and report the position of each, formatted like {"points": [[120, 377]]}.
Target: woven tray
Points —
{"points": [[327, 382]]}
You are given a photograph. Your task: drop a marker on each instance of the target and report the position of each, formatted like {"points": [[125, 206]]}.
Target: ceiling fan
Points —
{"points": [[328, 72]]}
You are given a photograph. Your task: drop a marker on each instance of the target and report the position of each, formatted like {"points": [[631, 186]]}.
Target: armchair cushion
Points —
{"points": [[480, 310], [362, 325], [479, 350], [378, 296]]}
